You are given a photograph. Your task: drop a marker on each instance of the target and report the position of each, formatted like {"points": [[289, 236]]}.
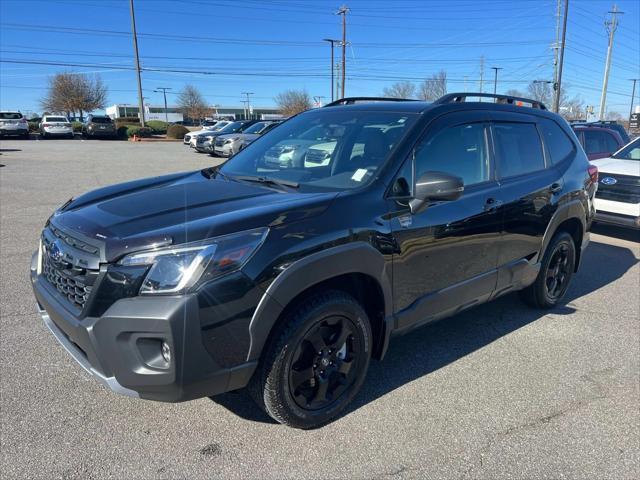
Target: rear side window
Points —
{"points": [[459, 150], [10, 116], [597, 141], [558, 143], [519, 149]]}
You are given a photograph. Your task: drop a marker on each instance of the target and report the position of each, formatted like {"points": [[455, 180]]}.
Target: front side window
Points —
{"points": [[459, 151], [630, 152], [518, 148], [324, 149], [597, 141], [558, 143]]}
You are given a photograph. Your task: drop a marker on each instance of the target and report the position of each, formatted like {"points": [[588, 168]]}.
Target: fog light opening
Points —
{"points": [[166, 352]]}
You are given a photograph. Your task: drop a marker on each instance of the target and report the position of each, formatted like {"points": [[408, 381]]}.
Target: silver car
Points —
{"points": [[229, 145], [192, 137], [13, 123], [55, 126]]}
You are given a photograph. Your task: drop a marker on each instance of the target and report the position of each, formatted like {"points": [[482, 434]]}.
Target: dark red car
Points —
{"points": [[598, 142]]}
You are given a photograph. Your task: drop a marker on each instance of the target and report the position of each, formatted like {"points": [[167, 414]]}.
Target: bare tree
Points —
{"points": [[291, 102], [616, 116], [514, 93], [434, 87], [400, 90], [192, 103], [71, 92], [570, 108]]}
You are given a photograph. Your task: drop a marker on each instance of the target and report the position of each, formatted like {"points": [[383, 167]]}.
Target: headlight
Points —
{"points": [[177, 269]]}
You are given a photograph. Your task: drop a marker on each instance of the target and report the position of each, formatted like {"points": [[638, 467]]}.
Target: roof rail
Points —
{"points": [[504, 99], [352, 100]]}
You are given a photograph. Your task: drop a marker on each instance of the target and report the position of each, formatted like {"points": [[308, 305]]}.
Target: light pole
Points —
{"points": [[164, 93], [495, 79], [332, 42], [633, 95]]}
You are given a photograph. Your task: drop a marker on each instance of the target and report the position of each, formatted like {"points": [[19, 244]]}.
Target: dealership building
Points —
{"points": [[173, 114]]}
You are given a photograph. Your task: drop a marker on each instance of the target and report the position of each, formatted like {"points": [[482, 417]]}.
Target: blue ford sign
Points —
{"points": [[608, 181]]}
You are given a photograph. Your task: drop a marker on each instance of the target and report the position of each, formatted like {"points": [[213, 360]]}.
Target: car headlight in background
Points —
{"points": [[177, 269]]}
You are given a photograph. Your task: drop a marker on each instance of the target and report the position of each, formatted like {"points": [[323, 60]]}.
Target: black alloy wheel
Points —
{"points": [[315, 362], [557, 272], [324, 364]]}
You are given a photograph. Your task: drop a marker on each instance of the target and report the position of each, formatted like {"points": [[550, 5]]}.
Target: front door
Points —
{"points": [[447, 253]]}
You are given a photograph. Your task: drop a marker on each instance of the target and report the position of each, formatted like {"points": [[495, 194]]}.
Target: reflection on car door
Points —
{"points": [[446, 255]]}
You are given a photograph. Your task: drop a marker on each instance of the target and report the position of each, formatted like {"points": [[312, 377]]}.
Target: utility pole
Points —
{"points": [[633, 95], [556, 45], [343, 11], [137, 61], [332, 42], [338, 69], [164, 92], [248, 103], [495, 79], [481, 75], [558, 82], [611, 26], [465, 82]]}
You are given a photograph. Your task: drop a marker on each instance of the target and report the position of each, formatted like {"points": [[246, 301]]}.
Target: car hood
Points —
{"points": [[618, 166], [180, 208]]}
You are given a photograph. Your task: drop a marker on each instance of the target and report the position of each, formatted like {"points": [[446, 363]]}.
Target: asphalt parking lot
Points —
{"points": [[501, 391]]}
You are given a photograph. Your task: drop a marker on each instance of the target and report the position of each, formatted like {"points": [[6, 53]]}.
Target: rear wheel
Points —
{"points": [[555, 274], [316, 363]]}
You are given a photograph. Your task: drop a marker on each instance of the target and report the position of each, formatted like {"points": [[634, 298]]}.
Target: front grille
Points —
{"points": [[69, 270], [626, 189]]}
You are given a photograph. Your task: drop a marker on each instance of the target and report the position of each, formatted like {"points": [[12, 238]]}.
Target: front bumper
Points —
{"points": [[117, 348], [223, 150], [617, 213]]}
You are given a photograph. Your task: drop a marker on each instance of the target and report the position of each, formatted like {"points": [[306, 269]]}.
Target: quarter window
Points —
{"points": [[519, 149], [459, 150], [558, 143]]}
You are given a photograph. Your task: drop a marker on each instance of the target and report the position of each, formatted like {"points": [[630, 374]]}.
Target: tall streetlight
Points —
{"points": [[332, 42], [164, 93]]}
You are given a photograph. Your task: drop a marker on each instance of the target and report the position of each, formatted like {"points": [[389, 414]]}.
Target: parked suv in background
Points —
{"points": [[55, 126], [618, 195], [288, 279], [610, 124], [191, 137], [99, 126], [229, 144], [598, 142], [205, 143], [13, 123]]}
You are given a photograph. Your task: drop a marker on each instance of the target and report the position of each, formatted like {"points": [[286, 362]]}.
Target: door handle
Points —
{"points": [[555, 188], [492, 204]]}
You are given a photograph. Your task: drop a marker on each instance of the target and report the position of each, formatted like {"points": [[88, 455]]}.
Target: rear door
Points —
{"points": [[529, 189], [447, 253]]}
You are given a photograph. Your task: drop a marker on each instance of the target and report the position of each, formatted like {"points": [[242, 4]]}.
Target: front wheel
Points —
{"points": [[316, 362], [555, 274]]}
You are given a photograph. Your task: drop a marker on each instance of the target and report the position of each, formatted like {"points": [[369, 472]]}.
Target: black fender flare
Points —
{"points": [[565, 211], [357, 257]]}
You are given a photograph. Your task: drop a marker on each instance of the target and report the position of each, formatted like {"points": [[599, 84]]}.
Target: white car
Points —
{"points": [[618, 195], [13, 123], [191, 137], [55, 126]]}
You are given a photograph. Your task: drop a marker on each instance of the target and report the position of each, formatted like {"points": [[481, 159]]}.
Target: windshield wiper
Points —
{"points": [[267, 180]]}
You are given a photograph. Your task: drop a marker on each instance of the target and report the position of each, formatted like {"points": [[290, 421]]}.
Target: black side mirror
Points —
{"points": [[435, 186]]}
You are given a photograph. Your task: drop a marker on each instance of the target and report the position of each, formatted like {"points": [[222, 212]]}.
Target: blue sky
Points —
{"points": [[227, 47]]}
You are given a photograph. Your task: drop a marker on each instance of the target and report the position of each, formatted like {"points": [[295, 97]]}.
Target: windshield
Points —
{"points": [[232, 127], [256, 127], [323, 149], [10, 116], [630, 152], [100, 120], [56, 119]]}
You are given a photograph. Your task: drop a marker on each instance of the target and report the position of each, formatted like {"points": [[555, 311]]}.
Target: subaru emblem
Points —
{"points": [[608, 181], [55, 253]]}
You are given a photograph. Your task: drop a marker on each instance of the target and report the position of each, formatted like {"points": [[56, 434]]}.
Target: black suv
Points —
{"points": [[287, 278], [99, 126]]}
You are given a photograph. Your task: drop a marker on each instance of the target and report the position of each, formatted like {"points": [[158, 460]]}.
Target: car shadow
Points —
{"points": [[4, 150], [622, 233], [436, 345]]}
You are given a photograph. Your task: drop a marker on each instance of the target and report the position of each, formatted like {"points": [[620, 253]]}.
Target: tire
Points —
{"points": [[555, 274], [306, 378], [43, 135]]}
